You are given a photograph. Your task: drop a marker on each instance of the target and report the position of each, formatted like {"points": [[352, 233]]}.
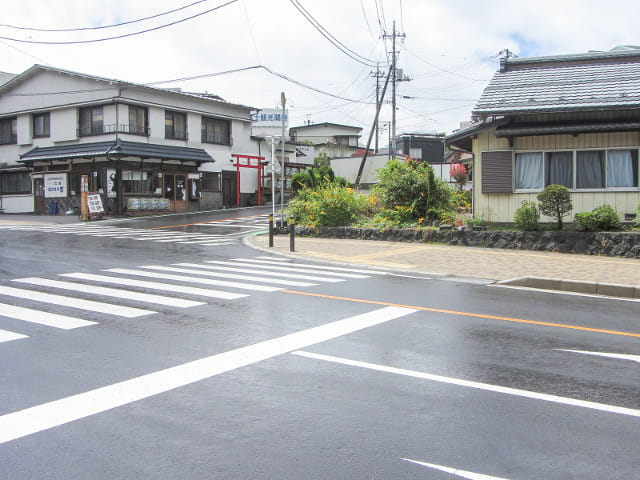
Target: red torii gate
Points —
{"points": [[239, 165]]}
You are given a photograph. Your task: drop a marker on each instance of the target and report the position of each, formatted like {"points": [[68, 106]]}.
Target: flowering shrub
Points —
{"points": [[328, 205], [458, 173]]}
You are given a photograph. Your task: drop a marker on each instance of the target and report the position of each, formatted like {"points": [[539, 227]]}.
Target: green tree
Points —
{"points": [[527, 216], [555, 202], [414, 185]]}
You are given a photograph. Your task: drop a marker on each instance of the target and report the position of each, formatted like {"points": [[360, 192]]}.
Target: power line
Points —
{"points": [[75, 42], [129, 22], [333, 40], [259, 67]]}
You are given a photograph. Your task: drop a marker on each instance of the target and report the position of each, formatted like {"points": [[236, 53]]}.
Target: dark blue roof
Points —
{"points": [[120, 149]]}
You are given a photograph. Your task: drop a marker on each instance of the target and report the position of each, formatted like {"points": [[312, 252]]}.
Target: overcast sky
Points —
{"points": [[448, 49]]}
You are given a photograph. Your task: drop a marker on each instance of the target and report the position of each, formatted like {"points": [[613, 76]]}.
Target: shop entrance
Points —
{"points": [[175, 190]]}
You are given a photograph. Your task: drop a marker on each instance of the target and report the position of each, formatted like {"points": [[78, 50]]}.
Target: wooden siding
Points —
{"points": [[501, 207]]}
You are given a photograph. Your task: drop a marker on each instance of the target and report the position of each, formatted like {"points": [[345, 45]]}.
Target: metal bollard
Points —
{"points": [[292, 234], [271, 231]]}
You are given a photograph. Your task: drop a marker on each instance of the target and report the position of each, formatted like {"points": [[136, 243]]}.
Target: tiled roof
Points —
{"points": [[117, 148], [605, 82]]}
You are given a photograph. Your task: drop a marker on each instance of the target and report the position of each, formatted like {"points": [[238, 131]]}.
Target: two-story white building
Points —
{"points": [[143, 148]]}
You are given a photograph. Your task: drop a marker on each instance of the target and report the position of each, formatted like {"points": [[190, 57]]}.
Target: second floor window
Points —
{"points": [[8, 131], [138, 120], [175, 125], [216, 130], [91, 121], [41, 125]]}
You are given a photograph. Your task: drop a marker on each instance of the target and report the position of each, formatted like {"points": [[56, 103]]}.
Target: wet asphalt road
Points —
{"points": [[414, 375]]}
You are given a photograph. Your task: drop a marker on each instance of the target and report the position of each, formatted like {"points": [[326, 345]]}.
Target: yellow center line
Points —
{"points": [[468, 314]]}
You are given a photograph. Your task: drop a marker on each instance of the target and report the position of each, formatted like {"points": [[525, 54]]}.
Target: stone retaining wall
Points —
{"points": [[613, 244]]}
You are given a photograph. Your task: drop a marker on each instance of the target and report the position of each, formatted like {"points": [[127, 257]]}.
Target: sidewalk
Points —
{"points": [[555, 271]]}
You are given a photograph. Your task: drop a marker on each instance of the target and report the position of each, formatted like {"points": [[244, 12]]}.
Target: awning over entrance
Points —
{"points": [[117, 149]]}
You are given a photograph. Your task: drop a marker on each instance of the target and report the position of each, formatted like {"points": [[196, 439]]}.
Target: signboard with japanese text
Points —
{"points": [[268, 123], [94, 201], [55, 185]]}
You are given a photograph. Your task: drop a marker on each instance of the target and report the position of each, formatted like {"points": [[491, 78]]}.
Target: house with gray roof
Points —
{"points": [[572, 120], [142, 149]]}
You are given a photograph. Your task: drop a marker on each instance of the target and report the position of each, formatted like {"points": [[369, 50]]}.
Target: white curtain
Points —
{"points": [[528, 171], [560, 169], [620, 171], [590, 169]]}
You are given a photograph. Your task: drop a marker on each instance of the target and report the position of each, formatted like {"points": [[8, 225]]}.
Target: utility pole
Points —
{"points": [[393, 84], [377, 75]]}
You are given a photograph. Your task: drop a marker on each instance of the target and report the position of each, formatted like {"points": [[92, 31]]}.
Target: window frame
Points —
{"points": [[96, 121], [46, 124], [133, 126], [574, 188], [11, 138], [211, 122], [5, 179], [170, 130]]}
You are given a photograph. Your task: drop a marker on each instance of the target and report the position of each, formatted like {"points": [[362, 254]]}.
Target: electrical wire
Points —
{"points": [[75, 42], [258, 67], [333, 40], [129, 22]]}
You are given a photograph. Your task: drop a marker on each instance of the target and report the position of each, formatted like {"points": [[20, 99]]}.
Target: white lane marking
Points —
{"points": [[477, 385], [620, 356], [214, 244], [270, 261], [42, 318], [111, 292], [204, 281], [93, 306], [203, 292], [455, 471], [287, 268], [58, 412], [209, 273], [220, 266], [7, 336]]}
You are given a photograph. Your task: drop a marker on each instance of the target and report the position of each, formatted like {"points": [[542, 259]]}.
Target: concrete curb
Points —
{"points": [[589, 288]]}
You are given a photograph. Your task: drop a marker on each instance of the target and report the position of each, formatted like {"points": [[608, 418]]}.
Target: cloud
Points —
{"points": [[447, 50]]}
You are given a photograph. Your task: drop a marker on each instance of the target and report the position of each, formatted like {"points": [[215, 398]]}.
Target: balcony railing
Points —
{"points": [[8, 139], [122, 128]]}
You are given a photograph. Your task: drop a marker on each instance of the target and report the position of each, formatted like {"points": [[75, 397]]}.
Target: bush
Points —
{"points": [[329, 205], [527, 217], [586, 222], [607, 218], [412, 184], [555, 202], [637, 222]]}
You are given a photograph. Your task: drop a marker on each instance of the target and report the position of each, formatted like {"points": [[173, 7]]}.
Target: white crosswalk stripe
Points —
{"points": [[192, 279], [291, 268], [221, 266], [107, 231], [271, 261], [7, 336], [111, 292], [42, 318], [197, 271], [203, 292], [65, 301]]}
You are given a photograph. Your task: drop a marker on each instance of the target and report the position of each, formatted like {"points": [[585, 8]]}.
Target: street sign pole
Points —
{"points": [[283, 101]]}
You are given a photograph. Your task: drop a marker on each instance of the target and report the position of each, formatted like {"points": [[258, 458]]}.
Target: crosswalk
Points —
{"points": [[85, 299], [238, 227]]}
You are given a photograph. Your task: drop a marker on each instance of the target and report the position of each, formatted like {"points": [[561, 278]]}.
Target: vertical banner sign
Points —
{"points": [[84, 186], [112, 191]]}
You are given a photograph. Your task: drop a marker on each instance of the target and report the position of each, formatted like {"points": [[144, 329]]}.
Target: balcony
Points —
{"points": [[105, 129]]}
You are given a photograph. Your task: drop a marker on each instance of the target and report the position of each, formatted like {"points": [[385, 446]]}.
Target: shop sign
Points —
{"points": [[55, 186]]}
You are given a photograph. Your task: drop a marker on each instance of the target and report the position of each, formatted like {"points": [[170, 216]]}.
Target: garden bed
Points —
{"points": [[613, 244]]}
